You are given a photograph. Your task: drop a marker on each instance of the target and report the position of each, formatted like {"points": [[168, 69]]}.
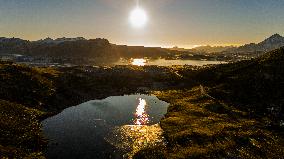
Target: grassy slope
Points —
{"points": [[23, 92], [251, 85], [25, 85], [236, 123], [28, 93], [20, 131], [199, 127], [194, 125], [81, 84]]}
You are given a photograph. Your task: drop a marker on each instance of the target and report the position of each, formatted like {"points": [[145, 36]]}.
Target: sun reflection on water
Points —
{"points": [[141, 114], [130, 139], [139, 62]]}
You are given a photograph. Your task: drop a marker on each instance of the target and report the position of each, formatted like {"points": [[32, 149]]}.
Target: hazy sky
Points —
{"points": [[171, 22]]}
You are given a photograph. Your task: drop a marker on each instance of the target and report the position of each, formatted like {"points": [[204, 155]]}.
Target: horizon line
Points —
{"points": [[181, 46]]}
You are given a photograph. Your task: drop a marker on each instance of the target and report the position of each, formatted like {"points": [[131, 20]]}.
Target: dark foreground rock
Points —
{"points": [[224, 111]]}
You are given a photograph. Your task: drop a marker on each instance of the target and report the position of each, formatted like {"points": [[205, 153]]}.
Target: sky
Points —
{"points": [[182, 23]]}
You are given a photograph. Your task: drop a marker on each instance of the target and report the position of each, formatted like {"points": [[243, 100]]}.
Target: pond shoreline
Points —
{"points": [[123, 121], [57, 89], [195, 125]]}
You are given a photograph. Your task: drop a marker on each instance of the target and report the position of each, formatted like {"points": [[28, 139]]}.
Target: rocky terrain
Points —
{"points": [[231, 110], [226, 111]]}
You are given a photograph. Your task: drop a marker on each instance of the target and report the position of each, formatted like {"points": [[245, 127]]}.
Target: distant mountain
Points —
{"points": [[176, 48], [12, 40], [46, 40], [59, 40], [273, 42], [61, 47], [211, 49], [203, 49], [78, 50], [12, 45], [70, 47]]}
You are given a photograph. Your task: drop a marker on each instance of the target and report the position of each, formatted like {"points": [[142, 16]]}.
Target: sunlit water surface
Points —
{"points": [[116, 127], [139, 62], [164, 62]]}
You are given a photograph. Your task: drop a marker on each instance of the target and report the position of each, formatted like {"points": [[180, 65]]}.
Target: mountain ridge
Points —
{"points": [[271, 43], [275, 41]]}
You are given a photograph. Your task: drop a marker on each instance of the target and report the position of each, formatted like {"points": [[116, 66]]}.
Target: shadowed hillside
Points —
{"points": [[79, 50], [20, 131], [28, 95], [254, 85], [230, 111]]}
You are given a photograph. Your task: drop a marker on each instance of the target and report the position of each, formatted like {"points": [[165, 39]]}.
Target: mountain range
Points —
{"points": [[59, 40], [211, 49], [78, 49], [271, 43], [102, 48]]}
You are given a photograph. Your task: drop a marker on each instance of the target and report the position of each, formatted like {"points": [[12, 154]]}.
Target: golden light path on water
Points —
{"points": [[139, 62], [141, 115], [133, 138]]}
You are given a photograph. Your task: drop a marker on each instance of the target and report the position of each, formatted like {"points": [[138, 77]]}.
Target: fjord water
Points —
{"points": [[164, 62], [115, 127]]}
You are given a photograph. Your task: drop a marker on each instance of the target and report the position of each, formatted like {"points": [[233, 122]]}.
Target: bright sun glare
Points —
{"points": [[139, 62], [138, 18]]}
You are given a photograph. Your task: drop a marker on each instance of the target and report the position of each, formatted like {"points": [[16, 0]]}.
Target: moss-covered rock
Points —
{"points": [[20, 131]]}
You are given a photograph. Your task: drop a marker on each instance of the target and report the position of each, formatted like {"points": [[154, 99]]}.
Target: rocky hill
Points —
{"points": [[240, 105], [253, 85], [273, 42], [97, 50], [227, 111], [59, 40], [29, 94]]}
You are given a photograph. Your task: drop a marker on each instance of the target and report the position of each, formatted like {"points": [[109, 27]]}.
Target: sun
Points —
{"points": [[138, 18]]}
